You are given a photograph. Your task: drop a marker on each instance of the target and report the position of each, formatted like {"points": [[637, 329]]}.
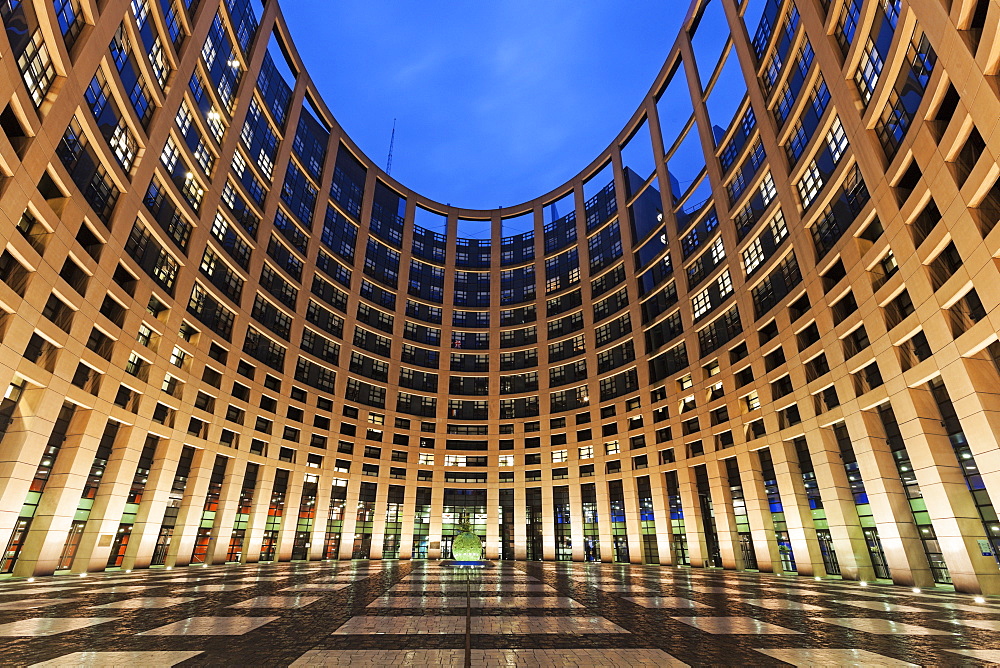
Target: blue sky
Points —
{"points": [[496, 102]]}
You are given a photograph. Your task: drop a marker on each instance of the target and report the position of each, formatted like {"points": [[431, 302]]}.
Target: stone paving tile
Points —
{"points": [[527, 588], [624, 589], [665, 602], [729, 591], [523, 624], [961, 607], [985, 624], [731, 625], [476, 602], [47, 626], [216, 588], [987, 655], [117, 659], [782, 604], [146, 603], [364, 658], [210, 626], [833, 657], [276, 602], [886, 626], [461, 578], [571, 658], [403, 625], [31, 591], [29, 603], [882, 606]]}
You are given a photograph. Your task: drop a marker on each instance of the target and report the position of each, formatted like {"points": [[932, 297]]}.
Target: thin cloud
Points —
{"points": [[496, 103]]}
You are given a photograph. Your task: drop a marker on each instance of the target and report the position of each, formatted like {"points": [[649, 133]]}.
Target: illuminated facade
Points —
{"points": [[756, 332]]}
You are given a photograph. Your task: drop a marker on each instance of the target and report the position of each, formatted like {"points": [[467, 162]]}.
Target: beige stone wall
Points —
{"points": [[955, 170]]}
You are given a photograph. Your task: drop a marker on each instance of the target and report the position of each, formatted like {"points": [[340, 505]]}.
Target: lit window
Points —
{"points": [[810, 184], [753, 256], [611, 448], [123, 145], [779, 230], [177, 357], [701, 303], [767, 190], [184, 117], [559, 456], [866, 76], [718, 250], [145, 334], [725, 282], [169, 154], [506, 460], [36, 68], [585, 452], [836, 140]]}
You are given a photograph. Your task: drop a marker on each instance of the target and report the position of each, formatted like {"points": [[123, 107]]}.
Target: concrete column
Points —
{"points": [[492, 523], [725, 520], [293, 499], [951, 507], [607, 542], [765, 543], [661, 511], [838, 502], [434, 537], [225, 516], [350, 524], [378, 520], [693, 526], [58, 504], [154, 502], [109, 504], [798, 516], [254, 538], [322, 516], [633, 527], [24, 445], [192, 506], [520, 524], [548, 525], [576, 520], [890, 508]]}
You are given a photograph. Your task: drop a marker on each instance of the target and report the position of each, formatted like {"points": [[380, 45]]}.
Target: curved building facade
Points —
{"points": [[757, 332]]}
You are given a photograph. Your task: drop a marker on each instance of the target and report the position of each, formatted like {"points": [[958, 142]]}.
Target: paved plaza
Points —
{"points": [[511, 614]]}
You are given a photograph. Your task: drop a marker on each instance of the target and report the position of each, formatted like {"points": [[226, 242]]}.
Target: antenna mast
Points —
{"points": [[392, 141]]}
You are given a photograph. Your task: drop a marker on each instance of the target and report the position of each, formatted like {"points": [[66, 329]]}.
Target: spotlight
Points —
{"points": [[979, 599], [82, 575], [916, 590], [863, 583], [31, 579]]}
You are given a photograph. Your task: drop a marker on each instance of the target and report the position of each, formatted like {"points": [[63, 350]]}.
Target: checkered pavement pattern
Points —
{"points": [[392, 613]]}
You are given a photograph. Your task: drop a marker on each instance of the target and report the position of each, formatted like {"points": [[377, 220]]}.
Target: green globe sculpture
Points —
{"points": [[466, 546]]}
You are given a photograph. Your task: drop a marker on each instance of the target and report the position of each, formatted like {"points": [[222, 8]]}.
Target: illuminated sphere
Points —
{"points": [[466, 547]]}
